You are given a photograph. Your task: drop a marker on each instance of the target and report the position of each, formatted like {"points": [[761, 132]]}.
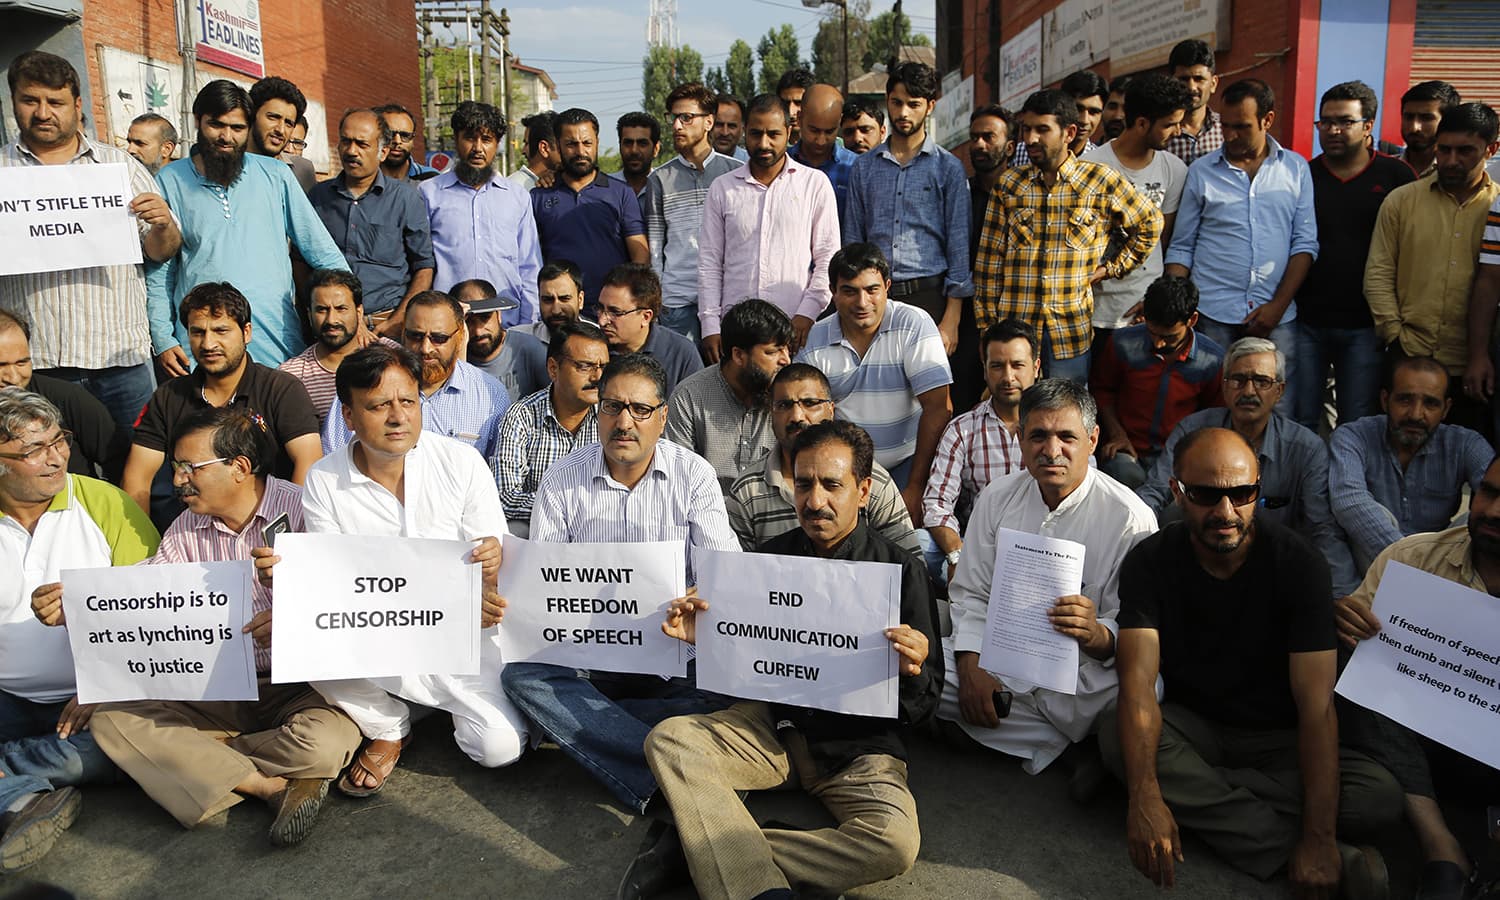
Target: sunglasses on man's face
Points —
{"points": [[1209, 495]]}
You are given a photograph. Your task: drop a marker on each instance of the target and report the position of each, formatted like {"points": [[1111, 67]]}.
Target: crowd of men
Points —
{"points": [[1243, 380]]}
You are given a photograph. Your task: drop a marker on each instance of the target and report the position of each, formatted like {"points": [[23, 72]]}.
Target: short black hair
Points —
{"points": [[764, 103], [1191, 52], [273, 87], [1444, 93], [753, 322], [46, 69], [237, 432], [1154, 96], [484, 286], [855, 107], [921, 80], [1170, 300], [801, 371], [1086, 83], [222, 96], [385, 130], [1119, 83], [337, 278], [705, 99], [642, 364], [557, 346], [10, 320], [795, 77], [219, 298], [576, 115], [1401, 361], [385, 108], [1007, 329], [437, 299], [838, 431], [1053, 102], [853, 259], [1352, 90], [996, 111], [540, 127], [1251, 89], [1470, 118], [475, 118], [557, 268], [363, 369], [639, 120], [641, 281], [725, 99]]}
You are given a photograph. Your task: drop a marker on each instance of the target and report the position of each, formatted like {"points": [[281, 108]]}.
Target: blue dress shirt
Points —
{"points": [[485, 233], [383, 233], [836, 168], [588, 227]]}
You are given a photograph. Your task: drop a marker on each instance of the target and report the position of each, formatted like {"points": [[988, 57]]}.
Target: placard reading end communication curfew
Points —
{"points": [[799, 630], [66, 217], [592, 606], [353, 606], [168, 632]]}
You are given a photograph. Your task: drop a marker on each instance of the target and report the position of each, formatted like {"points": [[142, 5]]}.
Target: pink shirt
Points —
{"points": [[771, 242], [975, 449]]}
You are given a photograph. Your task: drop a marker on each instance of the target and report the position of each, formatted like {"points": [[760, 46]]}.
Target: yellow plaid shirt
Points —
{"points": [[1038, 248]]}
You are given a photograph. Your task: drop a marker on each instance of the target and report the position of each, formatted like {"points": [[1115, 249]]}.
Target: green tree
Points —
{"points": [[887, 35], [665, 68], [739, 70], [715, 81], [779, 51], [828, 44]]}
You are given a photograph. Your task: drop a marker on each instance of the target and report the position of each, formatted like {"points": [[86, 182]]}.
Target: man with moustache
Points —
{"points": [[1422, 108], [769, 231], [761, 504], [277, 106], [1089, 91], [585, 215], [89, 324], [515, 359], [1226, 723], [542, 158], [458, 400], [217, 318], [992, 143], [1112, 122], [673, 204], [819, 148], [862, 125], [560, 294], [639, 136], [1403, 471], [336, 314], [538, 430], [378, 223], [1192, 64], [239, 211], [729, 127], [1350, 183], [720, 412], [152, 139], [1293, 462], [399, 164], [483, 226]]}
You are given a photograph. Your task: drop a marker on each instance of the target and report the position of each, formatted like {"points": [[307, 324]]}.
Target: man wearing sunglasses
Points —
{"points": [[1293, 460], [1233, 614]]}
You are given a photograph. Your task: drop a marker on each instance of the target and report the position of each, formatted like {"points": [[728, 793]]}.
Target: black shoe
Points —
{"points": [[659, 867], [34, 829], [1089, 774], [1443, 880]]}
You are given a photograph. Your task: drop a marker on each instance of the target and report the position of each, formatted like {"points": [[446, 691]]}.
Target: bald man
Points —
{"points": [[1233, 613], [822, 110]]}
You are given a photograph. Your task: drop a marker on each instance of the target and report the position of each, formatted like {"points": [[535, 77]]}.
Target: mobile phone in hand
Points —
{"points": [[278, 525], [1002, 701]]}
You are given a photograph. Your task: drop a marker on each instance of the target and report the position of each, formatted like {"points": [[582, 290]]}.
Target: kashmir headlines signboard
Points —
{"points": [[1021, 66], [228, 35], [66, 217]]}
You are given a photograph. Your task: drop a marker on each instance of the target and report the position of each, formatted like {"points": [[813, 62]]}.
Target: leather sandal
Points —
{"points": [[379, 763]]}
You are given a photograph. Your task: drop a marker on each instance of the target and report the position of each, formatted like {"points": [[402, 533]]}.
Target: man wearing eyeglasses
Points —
{"points": [[542, 428], [515, 359], [458, 400], [1293, 460], [49, 521], [629, 306], [1233, 614], [632, 487], [760, 502]]}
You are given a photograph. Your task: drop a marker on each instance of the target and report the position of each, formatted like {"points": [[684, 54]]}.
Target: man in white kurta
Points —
{"points": [[1058, 496]]}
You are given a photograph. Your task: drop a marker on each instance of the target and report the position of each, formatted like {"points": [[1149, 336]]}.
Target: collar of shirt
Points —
{"points": [[652, 342], [1071, 502], [744, 174], [449, 180], [1269, 442], [351, 475], [1479, 193], [377, 187], [600, 180], [929, 148], [1275, 154], [249, 378], [773, 473], [836, 328], [551, 413], [465, 378], [85, 148], [658, 470], [854, 546], [200, 522], [1461, 557]]}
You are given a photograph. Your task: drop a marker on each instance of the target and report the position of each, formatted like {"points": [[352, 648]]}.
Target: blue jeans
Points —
{"points": [[683, 320], [1075, 369], [123, 390], [1357, 359], [601, 719], [1284, 336], [933, 557], [34, 758]]}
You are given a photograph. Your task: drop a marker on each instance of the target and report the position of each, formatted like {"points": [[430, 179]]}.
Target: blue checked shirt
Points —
{"points": [[465, 409], [528, 440], [838, 167]]}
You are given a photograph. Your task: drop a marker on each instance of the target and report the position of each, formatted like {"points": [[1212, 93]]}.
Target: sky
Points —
{"points": [[593, 50]]}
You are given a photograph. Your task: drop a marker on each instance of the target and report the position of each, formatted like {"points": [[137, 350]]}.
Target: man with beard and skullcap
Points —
{"points": [[336, 314], [238, 212], [482, 226], [458, 400]]}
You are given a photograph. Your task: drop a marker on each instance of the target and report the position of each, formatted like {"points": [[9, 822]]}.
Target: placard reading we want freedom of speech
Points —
{"points": [[66, 217]]}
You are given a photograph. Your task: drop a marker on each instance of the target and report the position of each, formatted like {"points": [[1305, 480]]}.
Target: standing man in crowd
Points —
{"points": [[769, 230], [89, 325], [819, 147], [542, 157], [1202, 132], [336, 314], [152, 139], [629, 304], [483, 226], [1113, 122], [993, 137], [639, 136], [729, 127], [239, 211], [1334, 326], [510, 356], [792, 88], [1089, 90], [277, 106], [399, 164], [1422, 108], [673, 209], [862, 125]]}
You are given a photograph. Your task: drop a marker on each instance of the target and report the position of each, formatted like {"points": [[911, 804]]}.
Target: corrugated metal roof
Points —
{"points": [[1457, 41]]}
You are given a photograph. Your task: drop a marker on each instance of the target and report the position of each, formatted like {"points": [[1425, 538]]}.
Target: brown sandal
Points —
{"points": [[379, 763]]}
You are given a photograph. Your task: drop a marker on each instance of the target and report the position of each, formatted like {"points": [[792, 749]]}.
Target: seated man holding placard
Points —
{"points": [[395, 479], [1230, 614], [1468, 555], [49, 521], [198, 759], [854, 765], [1058, 496], [632, 487]]}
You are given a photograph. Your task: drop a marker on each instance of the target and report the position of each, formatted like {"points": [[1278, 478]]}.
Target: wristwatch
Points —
{"points": [[952, 556]]}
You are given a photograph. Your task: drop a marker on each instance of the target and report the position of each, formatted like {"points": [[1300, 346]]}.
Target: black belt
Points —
{"points": [[915, 286]]}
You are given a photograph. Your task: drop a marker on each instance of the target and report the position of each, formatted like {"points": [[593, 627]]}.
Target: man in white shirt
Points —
{"points": [[1058, 496], [397, 480]]}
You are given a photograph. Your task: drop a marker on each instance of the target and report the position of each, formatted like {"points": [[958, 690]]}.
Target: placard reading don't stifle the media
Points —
{"points": [[66, 217]]}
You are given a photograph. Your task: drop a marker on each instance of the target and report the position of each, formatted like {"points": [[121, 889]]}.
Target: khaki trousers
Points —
{"points": [[700, 761], [189, 757]]}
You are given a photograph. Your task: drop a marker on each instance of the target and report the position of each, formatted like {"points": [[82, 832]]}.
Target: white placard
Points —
{"points": [[66, 217], [950, 116], [168, 632], [1031, 572], [352, 606], [1021, 66], [1075, 35], [592, 606], [800, 631], [1142, 33], [1422, 670]]}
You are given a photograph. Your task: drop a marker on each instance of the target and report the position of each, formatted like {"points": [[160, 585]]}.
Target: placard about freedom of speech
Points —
{"points": [[353, 606], [168, 632], [592, 606], [1434, 666], [798, 630], [66, 217]]}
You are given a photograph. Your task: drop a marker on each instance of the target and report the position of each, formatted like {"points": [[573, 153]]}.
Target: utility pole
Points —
{"points": [[432, 140], [504, 72], [486, 19]]}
